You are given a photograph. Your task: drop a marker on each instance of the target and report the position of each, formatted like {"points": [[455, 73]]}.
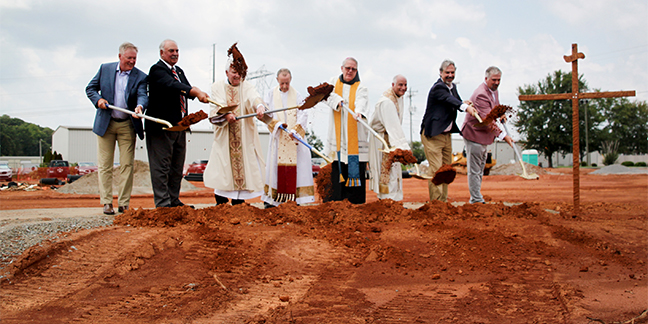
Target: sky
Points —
{"points": [[50, 50]]}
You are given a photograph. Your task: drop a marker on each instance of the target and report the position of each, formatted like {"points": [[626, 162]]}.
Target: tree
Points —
{"points": [[315, 142], [547, 125], [19, 138], [627, 123], [417, 150]]}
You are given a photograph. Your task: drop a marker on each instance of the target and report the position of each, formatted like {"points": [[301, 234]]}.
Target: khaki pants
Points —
{"points": [[124, 134], [438, 151]]}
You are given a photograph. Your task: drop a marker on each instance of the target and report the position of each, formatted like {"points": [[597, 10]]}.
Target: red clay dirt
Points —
{"points": [[379, 262]]}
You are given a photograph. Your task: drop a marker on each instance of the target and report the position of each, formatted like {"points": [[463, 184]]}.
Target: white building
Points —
{"points": [[79, 144]]}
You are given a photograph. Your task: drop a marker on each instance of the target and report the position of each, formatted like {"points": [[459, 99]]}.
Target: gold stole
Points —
{"points": [[352, 125], [235, 139], [383, 185]]}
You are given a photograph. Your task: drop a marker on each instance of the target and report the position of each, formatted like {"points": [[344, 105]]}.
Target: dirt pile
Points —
{"points": [[89, 183], [340, 263], [619, 169], [445, 174], [516, 169]]}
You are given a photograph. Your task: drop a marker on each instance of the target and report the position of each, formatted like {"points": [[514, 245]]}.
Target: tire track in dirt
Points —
{"points": [[68, 269], [294, 264]]}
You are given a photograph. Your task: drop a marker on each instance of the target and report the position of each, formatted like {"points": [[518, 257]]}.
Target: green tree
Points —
{"points": [[315, 142], [547, 125], [417, 150], [19, 138], [627, 123]]}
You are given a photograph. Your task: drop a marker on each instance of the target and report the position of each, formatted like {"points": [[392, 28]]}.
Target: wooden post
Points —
{"points": [[575, 96]]}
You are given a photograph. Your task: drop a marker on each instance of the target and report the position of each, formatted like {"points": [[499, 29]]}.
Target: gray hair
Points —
{"points": [[164, 43], [350, 58], [126, 45], [445, 64], [397, 76], [493, 70], [284, 70]]}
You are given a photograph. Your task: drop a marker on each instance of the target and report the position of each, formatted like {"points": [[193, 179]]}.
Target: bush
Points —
{"points": [[627, 163], [641, 164], [594, 164], [583, 163], [610, 154]]}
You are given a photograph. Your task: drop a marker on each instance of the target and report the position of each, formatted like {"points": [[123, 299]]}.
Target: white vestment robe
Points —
{"points": [[387, 120], [242, 179], [361, 106], [305, 191]]}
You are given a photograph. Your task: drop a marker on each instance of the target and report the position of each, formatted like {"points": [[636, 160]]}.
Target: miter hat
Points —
{"points": [[237, 61]]}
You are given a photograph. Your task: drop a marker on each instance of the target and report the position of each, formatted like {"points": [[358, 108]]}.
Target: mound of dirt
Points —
{"points": [[516, 169], [89, 183]]}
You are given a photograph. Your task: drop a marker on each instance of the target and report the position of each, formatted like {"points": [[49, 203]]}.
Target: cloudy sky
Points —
{"points": [[49, 50]]}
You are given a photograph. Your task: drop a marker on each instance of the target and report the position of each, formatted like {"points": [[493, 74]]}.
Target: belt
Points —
{"points": [[119, 120]]}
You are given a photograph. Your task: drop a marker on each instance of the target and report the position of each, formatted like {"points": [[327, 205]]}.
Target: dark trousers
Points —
{"points": [[166, 154], [225, 200], [355, 195]]}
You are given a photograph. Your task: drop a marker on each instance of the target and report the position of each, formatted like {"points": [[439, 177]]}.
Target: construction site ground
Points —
{"points": [[525, 257]]}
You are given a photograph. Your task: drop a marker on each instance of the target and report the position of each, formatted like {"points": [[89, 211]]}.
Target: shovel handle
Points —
{"points": [[363, 123], [314, 150], [126, 111], [266, 112], [476, 115]]}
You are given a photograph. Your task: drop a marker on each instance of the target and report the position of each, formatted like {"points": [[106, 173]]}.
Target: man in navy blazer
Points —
{"points": [[169, 90], [439, 122], [119, 84]]}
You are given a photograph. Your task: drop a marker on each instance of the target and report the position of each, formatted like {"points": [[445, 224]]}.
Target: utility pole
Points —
{"points": [[214, 63], [412, 110]]}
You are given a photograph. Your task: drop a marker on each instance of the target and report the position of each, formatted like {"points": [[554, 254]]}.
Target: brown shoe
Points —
{"points": [[108, 209], [122, 209]]}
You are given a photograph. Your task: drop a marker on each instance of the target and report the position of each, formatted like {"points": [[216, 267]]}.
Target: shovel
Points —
{"points": [[524, 174], [387, 149], [314, 150], [157, 120], [223, 109]]}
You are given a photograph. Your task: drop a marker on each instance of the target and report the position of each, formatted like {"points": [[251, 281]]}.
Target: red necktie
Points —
{"points": [[182, 99]]}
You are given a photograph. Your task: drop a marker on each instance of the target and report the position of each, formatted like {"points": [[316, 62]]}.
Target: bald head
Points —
{"points": [[399, 85]]}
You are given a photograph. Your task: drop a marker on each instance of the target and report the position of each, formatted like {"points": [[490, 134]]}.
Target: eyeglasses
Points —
{"points": [[349, 68]]}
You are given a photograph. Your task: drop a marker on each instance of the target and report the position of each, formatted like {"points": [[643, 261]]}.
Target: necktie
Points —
{"points": [[182, 99]]}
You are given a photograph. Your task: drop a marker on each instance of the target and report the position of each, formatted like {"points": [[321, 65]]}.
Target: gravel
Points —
{"points": [[16, 236], [620, 169]]}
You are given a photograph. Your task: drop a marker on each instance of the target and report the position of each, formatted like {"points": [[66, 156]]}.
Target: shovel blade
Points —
{"points": [[176, 128]]}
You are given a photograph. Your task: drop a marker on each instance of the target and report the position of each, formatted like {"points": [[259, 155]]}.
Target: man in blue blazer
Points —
{"points": [[439, 122], [119, 84]]}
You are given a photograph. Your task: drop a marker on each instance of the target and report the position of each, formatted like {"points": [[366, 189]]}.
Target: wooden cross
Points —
{"points": [[575, 96]]}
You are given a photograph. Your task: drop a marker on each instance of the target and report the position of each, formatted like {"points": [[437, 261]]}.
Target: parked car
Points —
{"points": [[86, 168], [316, 165], [196, 170], [58, 169], [5, 172]]}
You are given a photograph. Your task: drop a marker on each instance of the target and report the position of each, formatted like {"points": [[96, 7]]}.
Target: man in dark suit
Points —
{"points": [[169, 90], [439, 122], [123, 85]]}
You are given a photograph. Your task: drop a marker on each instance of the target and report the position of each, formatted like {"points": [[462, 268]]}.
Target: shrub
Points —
{"points": [[641, 164], [583, 163], [610, 154], [627, 163], [594, 164]]}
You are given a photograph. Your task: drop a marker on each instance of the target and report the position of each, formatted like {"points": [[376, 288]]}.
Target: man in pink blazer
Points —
{"points": [[477, 137]]}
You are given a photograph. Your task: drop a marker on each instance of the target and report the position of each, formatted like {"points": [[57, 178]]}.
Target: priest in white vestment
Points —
{"points": [[386, 121], [347, 142], [289, 174], [236, 167]]}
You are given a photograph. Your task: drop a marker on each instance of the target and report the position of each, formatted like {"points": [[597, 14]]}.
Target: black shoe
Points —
{"points": [[180, 204], [122, 209], [266, 205]]}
